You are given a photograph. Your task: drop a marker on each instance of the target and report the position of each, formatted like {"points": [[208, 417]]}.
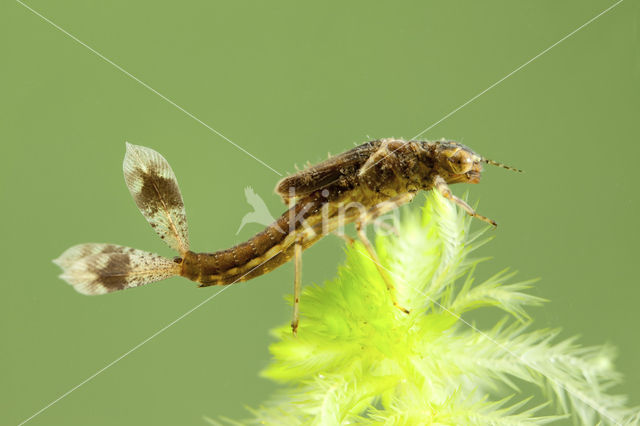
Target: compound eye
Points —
{"points": [[461, 162]]}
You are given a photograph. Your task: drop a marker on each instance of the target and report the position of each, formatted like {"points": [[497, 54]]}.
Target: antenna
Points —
{"points": [[504, 166]]}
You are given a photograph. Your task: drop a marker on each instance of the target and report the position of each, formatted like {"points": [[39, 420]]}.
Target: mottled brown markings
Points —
{"points": [[114, 275], [154, 192]]}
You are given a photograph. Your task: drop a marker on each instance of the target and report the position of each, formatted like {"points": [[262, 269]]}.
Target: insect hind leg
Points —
{"points": [[297, 284]]}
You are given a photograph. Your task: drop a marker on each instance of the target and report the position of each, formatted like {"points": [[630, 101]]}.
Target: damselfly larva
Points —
{"points": [[354, 187]]}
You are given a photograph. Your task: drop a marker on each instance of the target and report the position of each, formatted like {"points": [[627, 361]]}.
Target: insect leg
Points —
{"points": [[345, 237], [297, 284], [444, 190], [372, 214], [372, 252]]}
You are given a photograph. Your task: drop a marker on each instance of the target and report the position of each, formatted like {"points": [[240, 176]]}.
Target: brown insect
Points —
{"points": [[356, 186]]}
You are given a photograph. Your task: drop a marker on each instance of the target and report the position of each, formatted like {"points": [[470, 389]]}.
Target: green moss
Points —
{"points": [[358, 359]]}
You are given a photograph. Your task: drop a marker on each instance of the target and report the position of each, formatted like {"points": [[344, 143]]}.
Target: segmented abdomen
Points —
{"points": [[259, 255]]}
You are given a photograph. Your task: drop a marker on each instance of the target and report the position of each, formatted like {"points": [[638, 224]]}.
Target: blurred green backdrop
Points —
{"points": [[288, 82]]}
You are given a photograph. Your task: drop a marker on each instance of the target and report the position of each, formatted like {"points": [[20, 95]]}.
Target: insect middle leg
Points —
{"points": [[344, 236], [376, 222], [370, 215]]}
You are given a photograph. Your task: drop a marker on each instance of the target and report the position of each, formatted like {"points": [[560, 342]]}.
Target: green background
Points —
{"points": [[288, 82]]}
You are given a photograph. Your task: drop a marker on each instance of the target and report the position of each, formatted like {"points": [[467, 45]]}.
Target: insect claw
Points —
{"points": [[485, 219], [404, 310]]}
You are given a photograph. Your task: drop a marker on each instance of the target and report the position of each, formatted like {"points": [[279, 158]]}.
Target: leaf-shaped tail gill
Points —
{"points": [[154, 187], [103, 268]]}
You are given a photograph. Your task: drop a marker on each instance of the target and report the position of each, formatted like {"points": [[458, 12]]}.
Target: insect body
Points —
{"points": [[354, 187]]}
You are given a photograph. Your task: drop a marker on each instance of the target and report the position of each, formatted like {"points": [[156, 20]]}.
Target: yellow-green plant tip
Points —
{"points": [[358, 359]]}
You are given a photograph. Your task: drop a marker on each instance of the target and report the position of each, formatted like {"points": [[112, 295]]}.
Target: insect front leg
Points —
{"points": [[297, 284], [370, 215], [442, 187]]}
